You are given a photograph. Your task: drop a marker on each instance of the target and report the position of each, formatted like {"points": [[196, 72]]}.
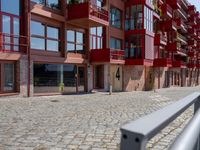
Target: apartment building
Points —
{"points": [[76, 46]]}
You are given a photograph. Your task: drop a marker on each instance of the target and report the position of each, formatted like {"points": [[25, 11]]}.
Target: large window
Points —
{"points": [[96, 38], [75, 41], [134, 15], [49, 3], [10, 18], [115, 43], [11, 6], [134, 46], [44, 37], [115, 17], [48, 78], [148, 19]]}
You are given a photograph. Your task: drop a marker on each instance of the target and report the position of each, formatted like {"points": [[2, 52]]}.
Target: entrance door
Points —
{"points": [[81, 79], [167, 78], [99, 77], [7, 77], [116, 77]]}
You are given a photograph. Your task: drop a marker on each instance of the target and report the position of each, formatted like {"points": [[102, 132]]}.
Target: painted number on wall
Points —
{"points": [[118, 74]]}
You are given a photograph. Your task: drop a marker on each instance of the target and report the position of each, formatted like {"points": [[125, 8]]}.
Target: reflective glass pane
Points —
{"points": [[79, 47], [70, 47], [79, 37], [93, 31], [9, 77], [70, 36], [52, 45], [53, 4], [46, 78], [6, 24], [11, 6], [37, 28], [52, 32], [37, 43], [38, 1], [99, 31], [7, 30], [70, 73]]}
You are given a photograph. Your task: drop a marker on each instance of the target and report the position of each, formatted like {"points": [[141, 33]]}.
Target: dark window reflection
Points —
{"points": [[48, 77]]}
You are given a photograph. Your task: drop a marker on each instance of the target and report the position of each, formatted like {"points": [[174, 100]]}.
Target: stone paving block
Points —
{"points": [[90, 121]]}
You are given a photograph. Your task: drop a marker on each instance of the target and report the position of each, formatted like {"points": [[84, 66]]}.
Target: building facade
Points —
{"points": [[76, 46]]}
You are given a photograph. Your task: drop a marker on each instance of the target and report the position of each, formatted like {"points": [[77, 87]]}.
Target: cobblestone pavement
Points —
{"points": [[90, 121]]}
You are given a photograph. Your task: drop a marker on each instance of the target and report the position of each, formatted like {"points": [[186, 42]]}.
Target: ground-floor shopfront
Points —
{"points": [[56, 78], [59, 78]]}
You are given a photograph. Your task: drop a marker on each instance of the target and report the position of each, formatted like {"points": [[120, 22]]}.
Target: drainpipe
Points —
{"points": [[28, 45]]}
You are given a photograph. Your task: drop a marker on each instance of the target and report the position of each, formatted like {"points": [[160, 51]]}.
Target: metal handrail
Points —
{"points": [[7, 42], [136, 134], [99, 12]]}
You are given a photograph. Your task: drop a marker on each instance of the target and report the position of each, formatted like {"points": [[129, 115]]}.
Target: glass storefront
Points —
{"points": [[50, 77], [7, 77]]}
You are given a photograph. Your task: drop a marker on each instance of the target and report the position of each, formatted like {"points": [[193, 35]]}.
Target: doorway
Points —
{"points": [[99, 77], [7, 77]]}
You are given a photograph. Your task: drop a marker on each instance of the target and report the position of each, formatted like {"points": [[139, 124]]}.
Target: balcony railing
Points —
{"points": [[13, 43], [166, 9], [160, 39], [99, 12], [117, 54], [181, 37], [87, 10], [107, 55], [183, 13]]}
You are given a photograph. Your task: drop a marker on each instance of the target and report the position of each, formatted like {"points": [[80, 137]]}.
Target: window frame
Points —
{"points": [[95, 38], [74, 42], [113, 11], [46, 38]]}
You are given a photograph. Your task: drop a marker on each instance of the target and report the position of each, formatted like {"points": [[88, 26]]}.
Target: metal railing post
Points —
{"points": [[131, 140], [196, 108]]}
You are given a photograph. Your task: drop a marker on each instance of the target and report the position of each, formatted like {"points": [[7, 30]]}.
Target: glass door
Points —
{"points": [[9, 77], [81, 79]]}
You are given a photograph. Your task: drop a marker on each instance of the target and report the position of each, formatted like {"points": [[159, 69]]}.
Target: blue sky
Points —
{"points": [[196, 3]]}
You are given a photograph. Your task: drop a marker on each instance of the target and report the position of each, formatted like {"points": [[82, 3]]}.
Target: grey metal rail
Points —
{"points": [[136, 134]]}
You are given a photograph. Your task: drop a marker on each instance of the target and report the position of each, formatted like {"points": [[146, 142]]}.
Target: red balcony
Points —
{"points": [[191, 65], [191, 42], [87, 15], [191, 9], [181, 38], [192, 32], [107, 56], [180, 24], [192, 20], [166, 11], [162, 62], [13, 43], [138, 61], [173, 47], [169, 25], [175, 4], [160, 39], [192, 54], [198, 65], [178, 63], [182, 13]]}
